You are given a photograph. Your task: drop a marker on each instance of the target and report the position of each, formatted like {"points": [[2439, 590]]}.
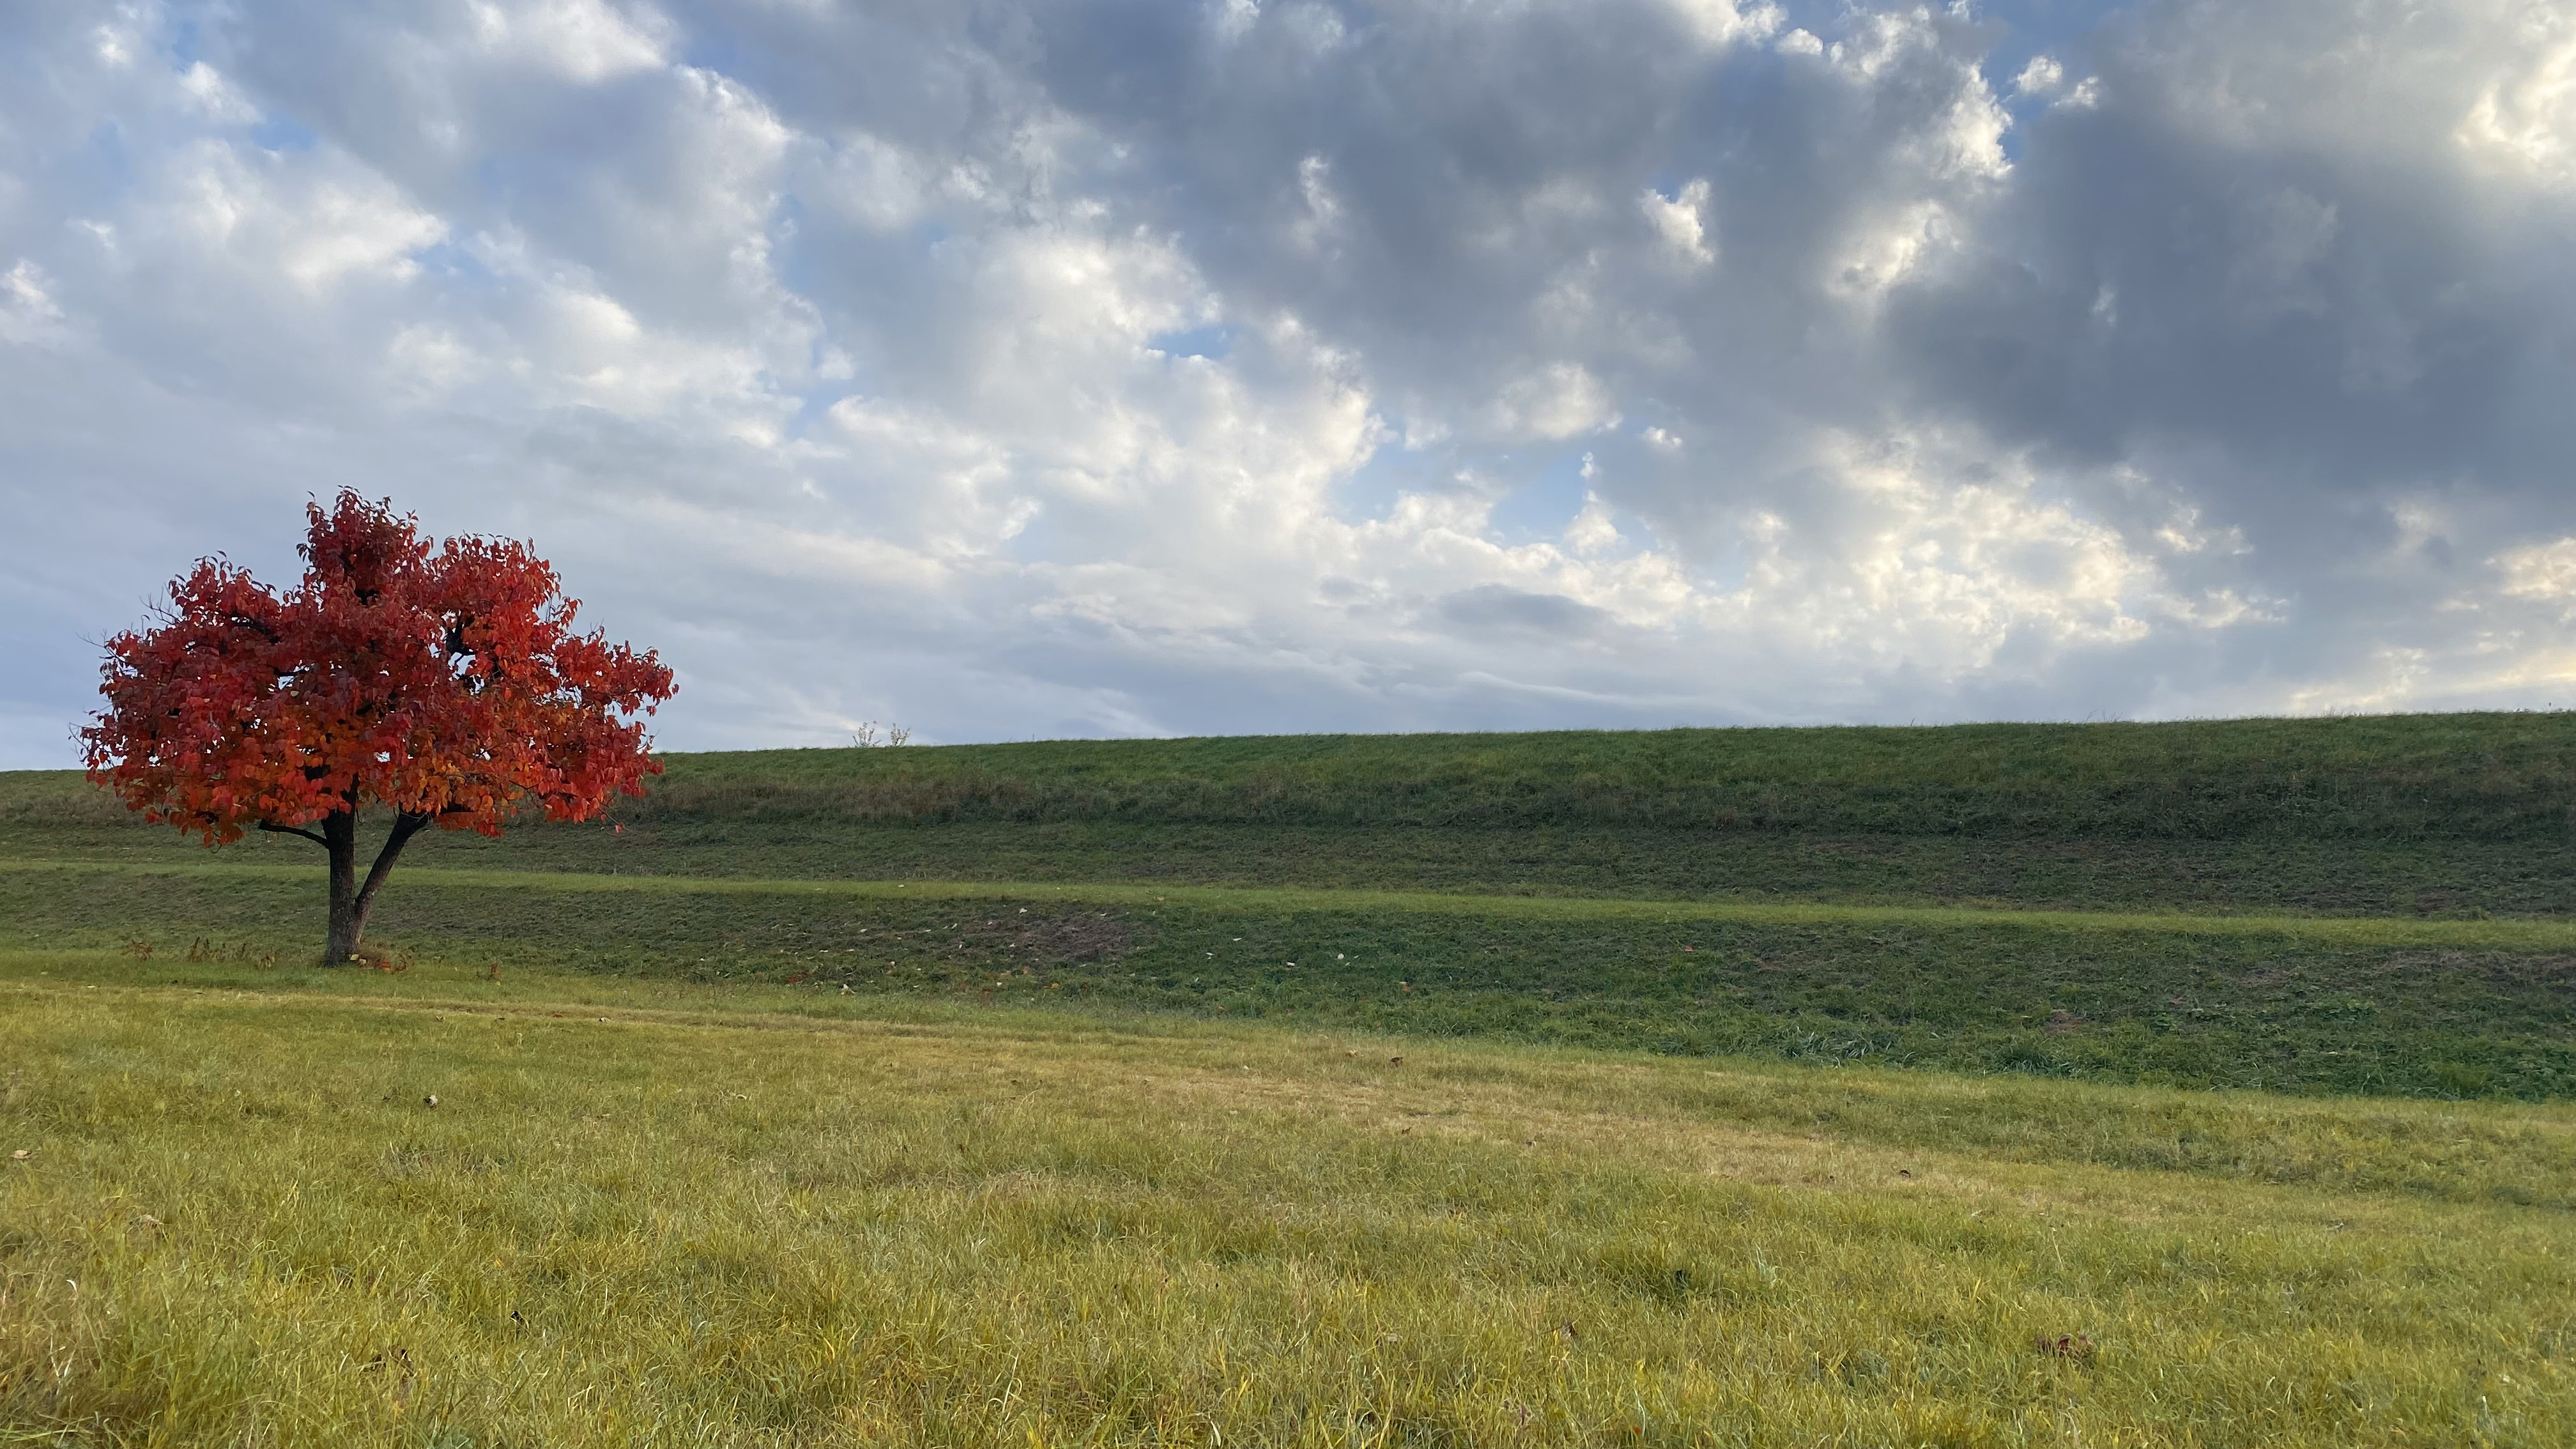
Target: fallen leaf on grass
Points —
{"points": [[395, 1361]]}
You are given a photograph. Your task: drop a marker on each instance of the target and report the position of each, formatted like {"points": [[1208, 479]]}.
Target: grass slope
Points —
{"points": [[2463, 776], [2420, 1008], [647, 1212], [2430, 815], [2360, 905]]}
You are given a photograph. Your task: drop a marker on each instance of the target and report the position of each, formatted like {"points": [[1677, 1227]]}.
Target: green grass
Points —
{"points": [[2432, 815], [1705, 1087], [2467, 776], [650, 1212], [2402, 1007], [2444, 878]]}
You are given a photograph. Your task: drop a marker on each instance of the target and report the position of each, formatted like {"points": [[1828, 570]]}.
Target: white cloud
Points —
{"points": [[215, 98], [1677, 220], [582, 40], [2043, 76], [1315, 229], [2544, 571], [1245, 366], [1877, 257], [1558, 400], [2527, 112], [1593, 530], [29, 316], [1723, 22]]}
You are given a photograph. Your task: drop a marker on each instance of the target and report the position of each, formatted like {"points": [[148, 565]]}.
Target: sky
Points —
{"points": [[1012, 370]]}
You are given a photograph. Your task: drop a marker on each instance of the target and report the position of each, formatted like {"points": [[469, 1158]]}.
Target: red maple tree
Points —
{"points": [[445, 684]]}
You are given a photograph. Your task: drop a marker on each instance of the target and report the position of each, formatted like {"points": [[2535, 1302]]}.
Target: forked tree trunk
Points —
{"points": [[351, 898]]}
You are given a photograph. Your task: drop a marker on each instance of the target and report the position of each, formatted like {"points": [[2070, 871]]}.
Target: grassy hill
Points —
{"points": [[2128, 902], [1830, 1087], [2432, 815], [2486, 777]]}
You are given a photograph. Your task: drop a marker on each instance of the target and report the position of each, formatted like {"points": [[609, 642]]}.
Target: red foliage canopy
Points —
{"points": [[447, 684]]}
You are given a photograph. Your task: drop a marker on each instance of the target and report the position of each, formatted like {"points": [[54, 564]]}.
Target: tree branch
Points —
{"points": [[257, 626], [273, 828], [406, 825]]}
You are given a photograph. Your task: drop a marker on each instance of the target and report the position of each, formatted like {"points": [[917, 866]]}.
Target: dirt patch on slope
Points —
{"points": [[1037, 940]]}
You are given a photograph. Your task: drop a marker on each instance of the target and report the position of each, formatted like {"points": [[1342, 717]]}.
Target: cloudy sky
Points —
{"points": [[1121, 367]]}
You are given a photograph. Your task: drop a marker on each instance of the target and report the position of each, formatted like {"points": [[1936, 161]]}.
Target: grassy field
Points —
{"points": [[2198, 1084], [653, 1212]]}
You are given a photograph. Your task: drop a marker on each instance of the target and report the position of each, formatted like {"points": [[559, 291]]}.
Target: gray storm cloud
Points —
{"points": [[1020, 370]]}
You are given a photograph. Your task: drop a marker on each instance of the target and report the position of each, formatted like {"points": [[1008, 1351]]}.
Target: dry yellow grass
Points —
{"points": [[673, 1216]]}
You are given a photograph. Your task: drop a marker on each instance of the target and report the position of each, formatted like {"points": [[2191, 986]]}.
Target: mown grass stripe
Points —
{"points": [[2515, 935]]}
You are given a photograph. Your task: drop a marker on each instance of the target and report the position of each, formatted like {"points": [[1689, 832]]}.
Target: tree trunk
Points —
{"points": [[348, 912], [350, 900]]}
